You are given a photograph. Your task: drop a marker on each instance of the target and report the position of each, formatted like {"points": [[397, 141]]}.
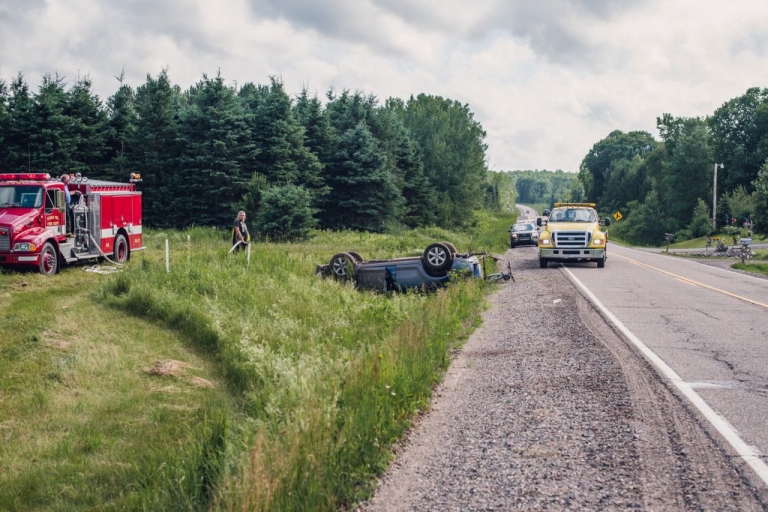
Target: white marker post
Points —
{"points": [[167, 258], [248, 264]]}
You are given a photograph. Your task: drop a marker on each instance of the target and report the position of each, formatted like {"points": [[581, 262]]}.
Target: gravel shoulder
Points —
{"points": [[547, 408]]}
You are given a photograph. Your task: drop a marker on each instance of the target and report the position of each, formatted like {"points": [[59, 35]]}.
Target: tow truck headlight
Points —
{"points": [[598, 241], [544, 241], [24, 247]]}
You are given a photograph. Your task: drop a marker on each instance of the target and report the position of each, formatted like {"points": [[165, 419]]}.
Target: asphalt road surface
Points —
{"points": [[641, 386], [709, 325]]}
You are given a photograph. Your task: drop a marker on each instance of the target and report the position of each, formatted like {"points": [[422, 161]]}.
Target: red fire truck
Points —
{"points": [[37, 228]]}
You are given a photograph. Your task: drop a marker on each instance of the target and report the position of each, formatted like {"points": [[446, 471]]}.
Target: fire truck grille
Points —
{"points": [[572, 239], [5, 242]]}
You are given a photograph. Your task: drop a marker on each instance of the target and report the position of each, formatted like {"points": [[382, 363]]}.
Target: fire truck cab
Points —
{"points": [[37, 229]]}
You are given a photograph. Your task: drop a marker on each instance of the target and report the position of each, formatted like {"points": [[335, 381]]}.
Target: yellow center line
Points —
{"points": [[691, 281]]}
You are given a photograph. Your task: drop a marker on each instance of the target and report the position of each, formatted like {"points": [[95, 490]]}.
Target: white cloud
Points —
{"points": [[546, 79]]}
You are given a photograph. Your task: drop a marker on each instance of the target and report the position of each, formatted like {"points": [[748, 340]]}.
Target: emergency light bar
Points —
{"points": [[135, 177], [25, 176], [590, 205]]}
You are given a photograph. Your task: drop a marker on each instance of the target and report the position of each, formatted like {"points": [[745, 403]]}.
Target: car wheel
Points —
{"points": [[356, 256], [543, 263], [437, 258], [511, 245], [121, 253], [49, 260], [450, 246], [343, 266]]}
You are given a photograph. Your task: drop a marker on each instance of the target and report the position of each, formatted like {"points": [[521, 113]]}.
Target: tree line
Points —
{"points": [[667, 186], [297, 163], [546, 187]]}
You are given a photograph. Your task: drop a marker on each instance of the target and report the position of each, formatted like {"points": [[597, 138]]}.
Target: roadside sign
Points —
{"points": [[617, 216]]}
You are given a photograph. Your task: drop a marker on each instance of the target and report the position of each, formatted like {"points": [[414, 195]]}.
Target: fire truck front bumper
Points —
{"points": [[19, 259]]}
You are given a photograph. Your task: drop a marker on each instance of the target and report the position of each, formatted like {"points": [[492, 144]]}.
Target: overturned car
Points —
{"points": [[437, 265]]}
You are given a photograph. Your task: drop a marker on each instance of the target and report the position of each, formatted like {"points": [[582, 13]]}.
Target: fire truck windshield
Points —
{"points": [[21, 196]]}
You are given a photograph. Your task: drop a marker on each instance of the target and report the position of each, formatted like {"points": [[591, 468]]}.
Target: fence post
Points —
{"points": [[167, 258]]}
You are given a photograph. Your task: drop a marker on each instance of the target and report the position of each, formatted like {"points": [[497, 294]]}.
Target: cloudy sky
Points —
{"points": [[546, 78]]}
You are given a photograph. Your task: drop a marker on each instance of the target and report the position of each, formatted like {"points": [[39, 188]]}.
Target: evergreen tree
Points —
{"points": [[212, 139], [17, 143], [153, 150], [286, 214], [5, 123], [52, 143], [87, 129], [121, 129], [363, 192], [318, 135], [282, 155]]}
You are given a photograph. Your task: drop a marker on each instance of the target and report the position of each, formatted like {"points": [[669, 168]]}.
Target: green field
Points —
{"points": [[222, 384]]}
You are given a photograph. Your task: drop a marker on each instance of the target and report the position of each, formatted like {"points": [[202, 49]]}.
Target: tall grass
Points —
{"points": [[318, 379]]}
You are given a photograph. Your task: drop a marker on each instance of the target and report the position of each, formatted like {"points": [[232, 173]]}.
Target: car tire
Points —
{"points": [[356, 256], [49, 260], [121, 252], [543, 263], [511, 245], [450, 246], [601, 262], [342, 266], [437, 258]]}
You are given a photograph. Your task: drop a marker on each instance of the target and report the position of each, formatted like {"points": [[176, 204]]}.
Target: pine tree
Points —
{"points": [[121, 128], [17, 141], [52, 142], [87, 128], [213, 136], [153, 150], [363, 193]]}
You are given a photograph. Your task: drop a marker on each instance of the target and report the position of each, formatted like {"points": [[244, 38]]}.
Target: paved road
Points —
{"points": [[708, 324], [526, 213], [547, 408]]}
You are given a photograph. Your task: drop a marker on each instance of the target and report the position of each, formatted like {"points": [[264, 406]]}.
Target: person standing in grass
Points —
{"points": [[240, 232], [69, 219]]}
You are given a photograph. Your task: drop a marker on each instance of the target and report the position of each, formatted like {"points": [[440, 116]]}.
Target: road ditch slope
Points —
{"points": [[546, 408]]}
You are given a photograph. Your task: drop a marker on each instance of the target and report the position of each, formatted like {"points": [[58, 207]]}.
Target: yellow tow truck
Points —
{"points": [[573, 232]]}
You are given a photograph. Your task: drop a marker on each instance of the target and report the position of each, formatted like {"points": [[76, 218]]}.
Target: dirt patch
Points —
{"points": [[167, 368]]}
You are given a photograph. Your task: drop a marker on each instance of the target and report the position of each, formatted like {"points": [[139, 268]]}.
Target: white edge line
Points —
{"points": [[749, 454]]}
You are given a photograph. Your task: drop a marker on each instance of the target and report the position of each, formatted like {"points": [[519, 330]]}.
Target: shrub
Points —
{"points": [[286, 214]]}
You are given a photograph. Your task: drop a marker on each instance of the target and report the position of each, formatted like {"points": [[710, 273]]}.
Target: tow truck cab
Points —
{"points": [[573, 232]]}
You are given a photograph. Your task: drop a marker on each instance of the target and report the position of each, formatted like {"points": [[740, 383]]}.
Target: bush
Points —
{"points": [[286, 214], [701, 223]]}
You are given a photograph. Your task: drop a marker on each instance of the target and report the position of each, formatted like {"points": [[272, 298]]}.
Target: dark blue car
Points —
{"points": [[433, 269]]}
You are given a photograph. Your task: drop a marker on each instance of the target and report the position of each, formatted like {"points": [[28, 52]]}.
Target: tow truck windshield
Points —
{"points": [[572, 215], [21, 196]]}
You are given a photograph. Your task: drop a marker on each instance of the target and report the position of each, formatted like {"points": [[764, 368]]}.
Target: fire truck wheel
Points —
{"points": [[49, 260], [121, 249]]}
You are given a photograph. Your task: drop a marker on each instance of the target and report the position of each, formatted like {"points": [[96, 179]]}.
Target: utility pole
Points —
{"points": [[714, 198]]}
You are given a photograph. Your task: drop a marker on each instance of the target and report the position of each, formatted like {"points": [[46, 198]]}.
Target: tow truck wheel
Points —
{"points": [[543, 263], [49, 260], [121, 249], [601, 262]]}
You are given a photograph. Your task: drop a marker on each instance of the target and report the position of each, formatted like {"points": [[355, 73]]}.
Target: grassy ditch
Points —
{"points": [[222, 384]]}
